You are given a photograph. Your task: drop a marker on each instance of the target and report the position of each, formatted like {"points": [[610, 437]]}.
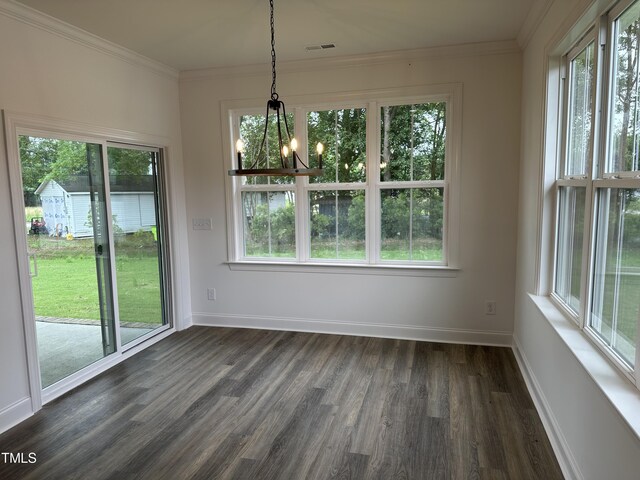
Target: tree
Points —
{"points": [[71, 160], [127, 161], [413, 142], [343, 134], [36, 155], [626, 101]]}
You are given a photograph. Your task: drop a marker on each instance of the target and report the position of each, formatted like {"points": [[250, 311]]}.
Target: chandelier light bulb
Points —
{"points": [[285, 151], [320, 148], [294, 144], [240, 146]]}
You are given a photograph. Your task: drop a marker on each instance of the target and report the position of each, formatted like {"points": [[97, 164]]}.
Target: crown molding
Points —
{"points": [[351, 61], [49, 24], [536, 14]]}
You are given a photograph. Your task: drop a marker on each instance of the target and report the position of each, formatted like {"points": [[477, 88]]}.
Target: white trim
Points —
{"points": [[18, 123], [22, 253], [390, 269], [507, 47], [403, 332], [15, 413], [79, 131], [143, 338], [567, 461], [49, 24]]}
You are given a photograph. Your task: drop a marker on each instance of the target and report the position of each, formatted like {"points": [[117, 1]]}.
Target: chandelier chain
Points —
{"points": [[274, 95]]}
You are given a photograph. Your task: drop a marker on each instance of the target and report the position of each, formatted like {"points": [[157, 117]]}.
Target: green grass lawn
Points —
{"points": [[67, 285], [139, 290], [627, 311], [68, 288], [425, 250]]}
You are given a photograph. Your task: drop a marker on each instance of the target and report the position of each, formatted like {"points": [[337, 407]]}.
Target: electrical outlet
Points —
{"points": [[489, 308], [211, 294]]}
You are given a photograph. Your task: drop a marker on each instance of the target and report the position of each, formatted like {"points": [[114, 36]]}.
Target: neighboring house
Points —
{"points": [[66, 205]]}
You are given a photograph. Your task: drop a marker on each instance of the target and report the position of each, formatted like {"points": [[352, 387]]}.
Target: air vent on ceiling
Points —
{"points": [[320, 47]]}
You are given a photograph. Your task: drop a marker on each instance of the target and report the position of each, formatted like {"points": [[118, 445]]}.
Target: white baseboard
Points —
{"points": [[403, 332], [15, 413], [559, 443]]}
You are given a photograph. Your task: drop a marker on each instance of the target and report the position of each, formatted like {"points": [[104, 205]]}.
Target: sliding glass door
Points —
{"points": [[138, 233], [95, 233], [66, 227]]}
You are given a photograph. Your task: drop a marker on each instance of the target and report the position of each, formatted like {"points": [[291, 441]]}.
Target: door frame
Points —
{"points": [[16, 124]]}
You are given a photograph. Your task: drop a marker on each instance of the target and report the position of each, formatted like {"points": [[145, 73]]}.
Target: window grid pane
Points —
{"points": [[412, 142], [616, 292], [624, 137], [411, 224], [337, 224], [580, 112], [269, 224], [343, 134], [571, 211]]}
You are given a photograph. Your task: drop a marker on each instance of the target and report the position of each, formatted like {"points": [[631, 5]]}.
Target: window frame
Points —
{"points": [[597, 180], [231, 110]]}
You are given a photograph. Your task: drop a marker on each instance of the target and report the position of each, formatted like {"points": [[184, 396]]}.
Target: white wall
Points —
{"points": [[596, 439], [431, 307], [43, 73]]}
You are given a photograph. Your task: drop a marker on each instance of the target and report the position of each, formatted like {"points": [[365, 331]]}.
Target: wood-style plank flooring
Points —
{"points": [[221, 403]]}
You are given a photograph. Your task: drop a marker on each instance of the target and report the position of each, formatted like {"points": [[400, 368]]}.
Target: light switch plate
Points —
{"points": [[201, 224]]}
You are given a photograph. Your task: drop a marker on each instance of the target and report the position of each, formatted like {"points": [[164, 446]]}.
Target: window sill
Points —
{"points": [[346, 268], [622, 394]]}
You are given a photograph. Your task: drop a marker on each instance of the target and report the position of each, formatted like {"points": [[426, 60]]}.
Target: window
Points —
{"points": [[337, 200], [412, 174], [597, 261], [384, 196]]}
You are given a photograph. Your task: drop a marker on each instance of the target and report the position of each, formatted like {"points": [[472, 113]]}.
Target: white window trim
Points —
{"points": [[372, 100], [598, 358]]}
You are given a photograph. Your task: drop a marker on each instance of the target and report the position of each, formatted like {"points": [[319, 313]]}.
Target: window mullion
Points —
{"points": [[600, 235], [373, 204], [594, 169], [588, 246], [238, 243], [414, 184], [303, 227]]}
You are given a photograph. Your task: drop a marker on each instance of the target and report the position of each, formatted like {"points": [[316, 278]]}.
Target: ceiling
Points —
{"points": [[193, 34]]}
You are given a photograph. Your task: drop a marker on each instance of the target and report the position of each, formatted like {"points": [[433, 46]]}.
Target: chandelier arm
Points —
{"points": [[286, 124], [295, 154], [280, 144], [262, 144]]}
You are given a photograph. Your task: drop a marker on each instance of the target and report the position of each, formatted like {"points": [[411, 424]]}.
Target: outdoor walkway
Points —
{"points": [[67, 345]]}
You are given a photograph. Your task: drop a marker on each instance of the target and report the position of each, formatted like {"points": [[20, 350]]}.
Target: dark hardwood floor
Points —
{"points": [[217, 403]]}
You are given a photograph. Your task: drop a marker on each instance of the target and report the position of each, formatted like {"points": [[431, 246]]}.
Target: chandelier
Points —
{"points": [[290, 162]]}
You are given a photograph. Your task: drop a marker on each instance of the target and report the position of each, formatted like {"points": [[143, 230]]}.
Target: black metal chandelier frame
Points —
{"points": [[290, 165]]}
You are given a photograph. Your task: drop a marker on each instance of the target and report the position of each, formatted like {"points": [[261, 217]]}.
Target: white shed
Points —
{"points": [[66, 205]]}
